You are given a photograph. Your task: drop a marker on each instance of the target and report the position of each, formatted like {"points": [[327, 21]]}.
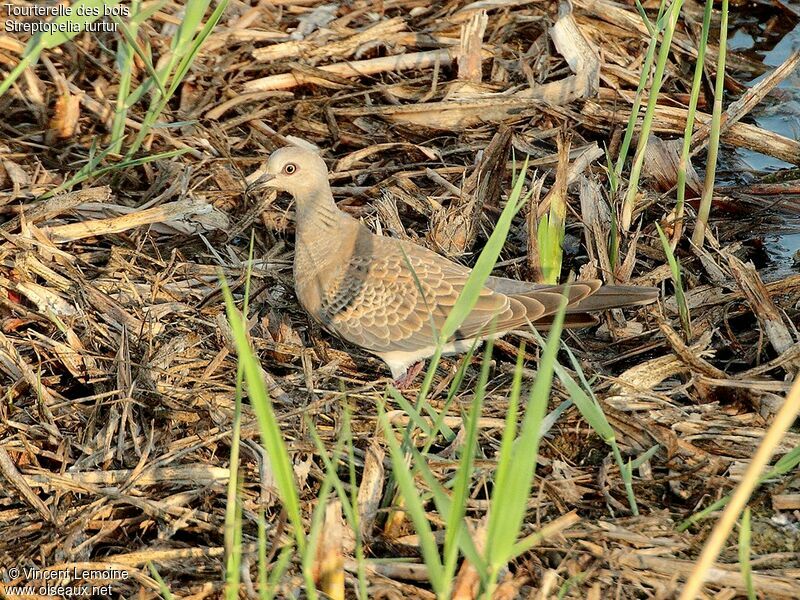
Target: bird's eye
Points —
{"points": [[290, 169]]}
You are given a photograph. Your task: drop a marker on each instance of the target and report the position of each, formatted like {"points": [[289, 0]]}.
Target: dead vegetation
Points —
{"points": [[117, 365]]}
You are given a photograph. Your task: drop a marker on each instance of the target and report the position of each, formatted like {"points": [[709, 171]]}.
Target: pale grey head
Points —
{"points": [[300, 172]]}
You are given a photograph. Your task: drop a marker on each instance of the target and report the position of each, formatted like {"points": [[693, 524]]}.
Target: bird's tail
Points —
{"points": [[615, 296]]}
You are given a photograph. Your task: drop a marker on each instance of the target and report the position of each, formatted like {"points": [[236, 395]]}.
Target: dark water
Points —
{"points": [[771, 41], [781, 110]]}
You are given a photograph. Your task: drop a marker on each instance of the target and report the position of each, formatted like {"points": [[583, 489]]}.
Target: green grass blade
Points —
{"points": [[461, 485], [697, 84], [550, 237], [233, 509], [90, 169], [331, 467], [139, 17], [650, 29], [129, 35], [185, 48], [72, 24], [699, 233], [193, 13], [439, 426], [355, 521], [309, 554], [414, 507], [645, 456], [263, 592], [234, 559], [506, 453], [468, 297], [647, 65], [513, 485], [233, 480], [26, 61], [592, 412], [163, 589], [186, 61], [271, 436], [76, 22], [276, 574], [417, 419], [487, 259], [647, 121], [744, 554], [444, 506], [677, 280], [124, 67]]}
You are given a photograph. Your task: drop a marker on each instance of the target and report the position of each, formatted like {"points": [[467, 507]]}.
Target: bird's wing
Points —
{"points": [[392, 296]]}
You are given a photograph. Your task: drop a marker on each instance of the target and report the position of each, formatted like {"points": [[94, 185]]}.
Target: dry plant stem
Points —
{"points": [[41, 211], [783, 420], [469, 52], [414, 60], [13, 477], [713, 143], [180, 210]]}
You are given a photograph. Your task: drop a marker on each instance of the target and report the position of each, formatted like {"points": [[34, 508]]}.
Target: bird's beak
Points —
{"points": [[261, 182]]}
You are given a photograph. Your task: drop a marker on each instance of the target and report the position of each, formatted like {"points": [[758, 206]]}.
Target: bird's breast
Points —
{"points": [[319, 279]]}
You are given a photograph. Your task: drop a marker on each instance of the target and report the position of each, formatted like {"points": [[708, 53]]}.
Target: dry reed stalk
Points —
{"points": [[186, 213], [393, 64]]}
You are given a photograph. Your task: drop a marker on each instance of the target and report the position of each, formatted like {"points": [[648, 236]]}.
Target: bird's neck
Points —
{"points": [[317, 214], [320, 229]]}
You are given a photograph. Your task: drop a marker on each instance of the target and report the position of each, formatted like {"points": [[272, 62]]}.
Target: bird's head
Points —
{"points": [[295, 170]]}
